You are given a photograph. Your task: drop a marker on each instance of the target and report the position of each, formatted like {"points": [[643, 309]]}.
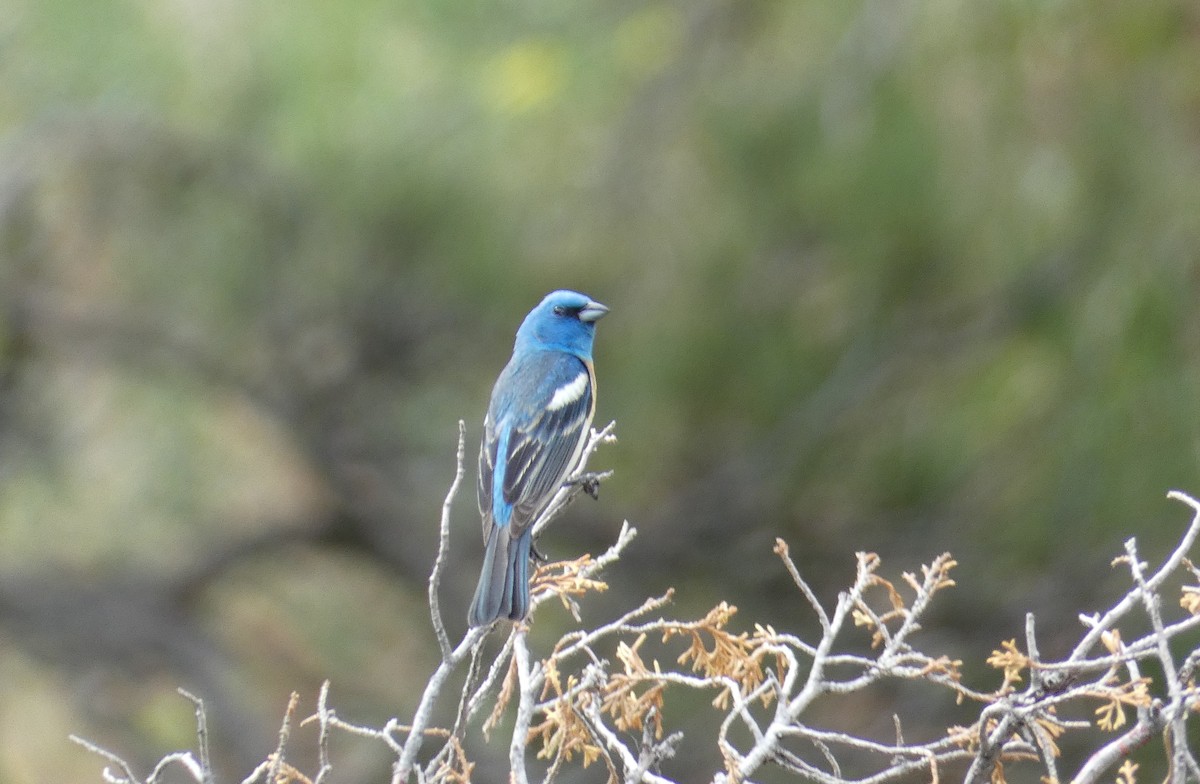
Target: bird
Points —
{"points": [[536, 424]]}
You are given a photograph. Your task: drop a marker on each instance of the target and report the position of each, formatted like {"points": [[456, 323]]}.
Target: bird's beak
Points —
{"points": [[593, 311]]}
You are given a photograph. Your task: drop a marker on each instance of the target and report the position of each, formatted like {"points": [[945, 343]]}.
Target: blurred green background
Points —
{"points": [[899, 275]]}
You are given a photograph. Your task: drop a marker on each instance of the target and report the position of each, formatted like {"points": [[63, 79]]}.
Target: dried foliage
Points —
{"points": [[596, 697]]}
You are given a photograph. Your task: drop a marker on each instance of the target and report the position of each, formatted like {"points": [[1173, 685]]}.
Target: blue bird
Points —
{"points": [[535, 428]]}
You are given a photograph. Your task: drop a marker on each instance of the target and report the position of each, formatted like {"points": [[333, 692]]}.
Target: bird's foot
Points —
{"points": [[590, 482]]}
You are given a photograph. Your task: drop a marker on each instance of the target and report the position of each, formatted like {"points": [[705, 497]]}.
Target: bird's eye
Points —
{"points": [[559, 310]]}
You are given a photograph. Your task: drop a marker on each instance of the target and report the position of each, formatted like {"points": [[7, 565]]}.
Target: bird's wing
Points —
{"points": [[544, 435]]}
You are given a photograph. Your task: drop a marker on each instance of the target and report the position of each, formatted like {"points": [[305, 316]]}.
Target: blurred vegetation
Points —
{"points": [[899, 276]]}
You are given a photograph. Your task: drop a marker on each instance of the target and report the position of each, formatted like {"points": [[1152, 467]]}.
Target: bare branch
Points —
{"points": [[126, 775], [285, 731], [529, 678], [596, 695], [324, 716], [201, 735], [435, 577], [781, 549]]}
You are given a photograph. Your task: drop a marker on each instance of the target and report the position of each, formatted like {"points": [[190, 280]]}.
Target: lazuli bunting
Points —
{"points": [[535, 428]]}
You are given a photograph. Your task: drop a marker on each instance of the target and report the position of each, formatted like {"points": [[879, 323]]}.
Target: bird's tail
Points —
{"points": [[503, 589]]}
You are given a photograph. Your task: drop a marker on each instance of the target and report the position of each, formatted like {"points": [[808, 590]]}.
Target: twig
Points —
{"points": [[529, 679], [183, 759], [781, 549], [1173, 561], [201, 735], [412, 746], [126, 776], [1109, 753], [324, 715], [617, 746], [258, 772], [499, 665], [285, 732], [435, 576]]}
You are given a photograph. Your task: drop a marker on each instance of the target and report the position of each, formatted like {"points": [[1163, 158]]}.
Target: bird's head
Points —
{"points": [[564, 320]]}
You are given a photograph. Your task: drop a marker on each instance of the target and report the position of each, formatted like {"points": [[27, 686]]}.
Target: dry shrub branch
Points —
{"points": [[594, 698]]}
